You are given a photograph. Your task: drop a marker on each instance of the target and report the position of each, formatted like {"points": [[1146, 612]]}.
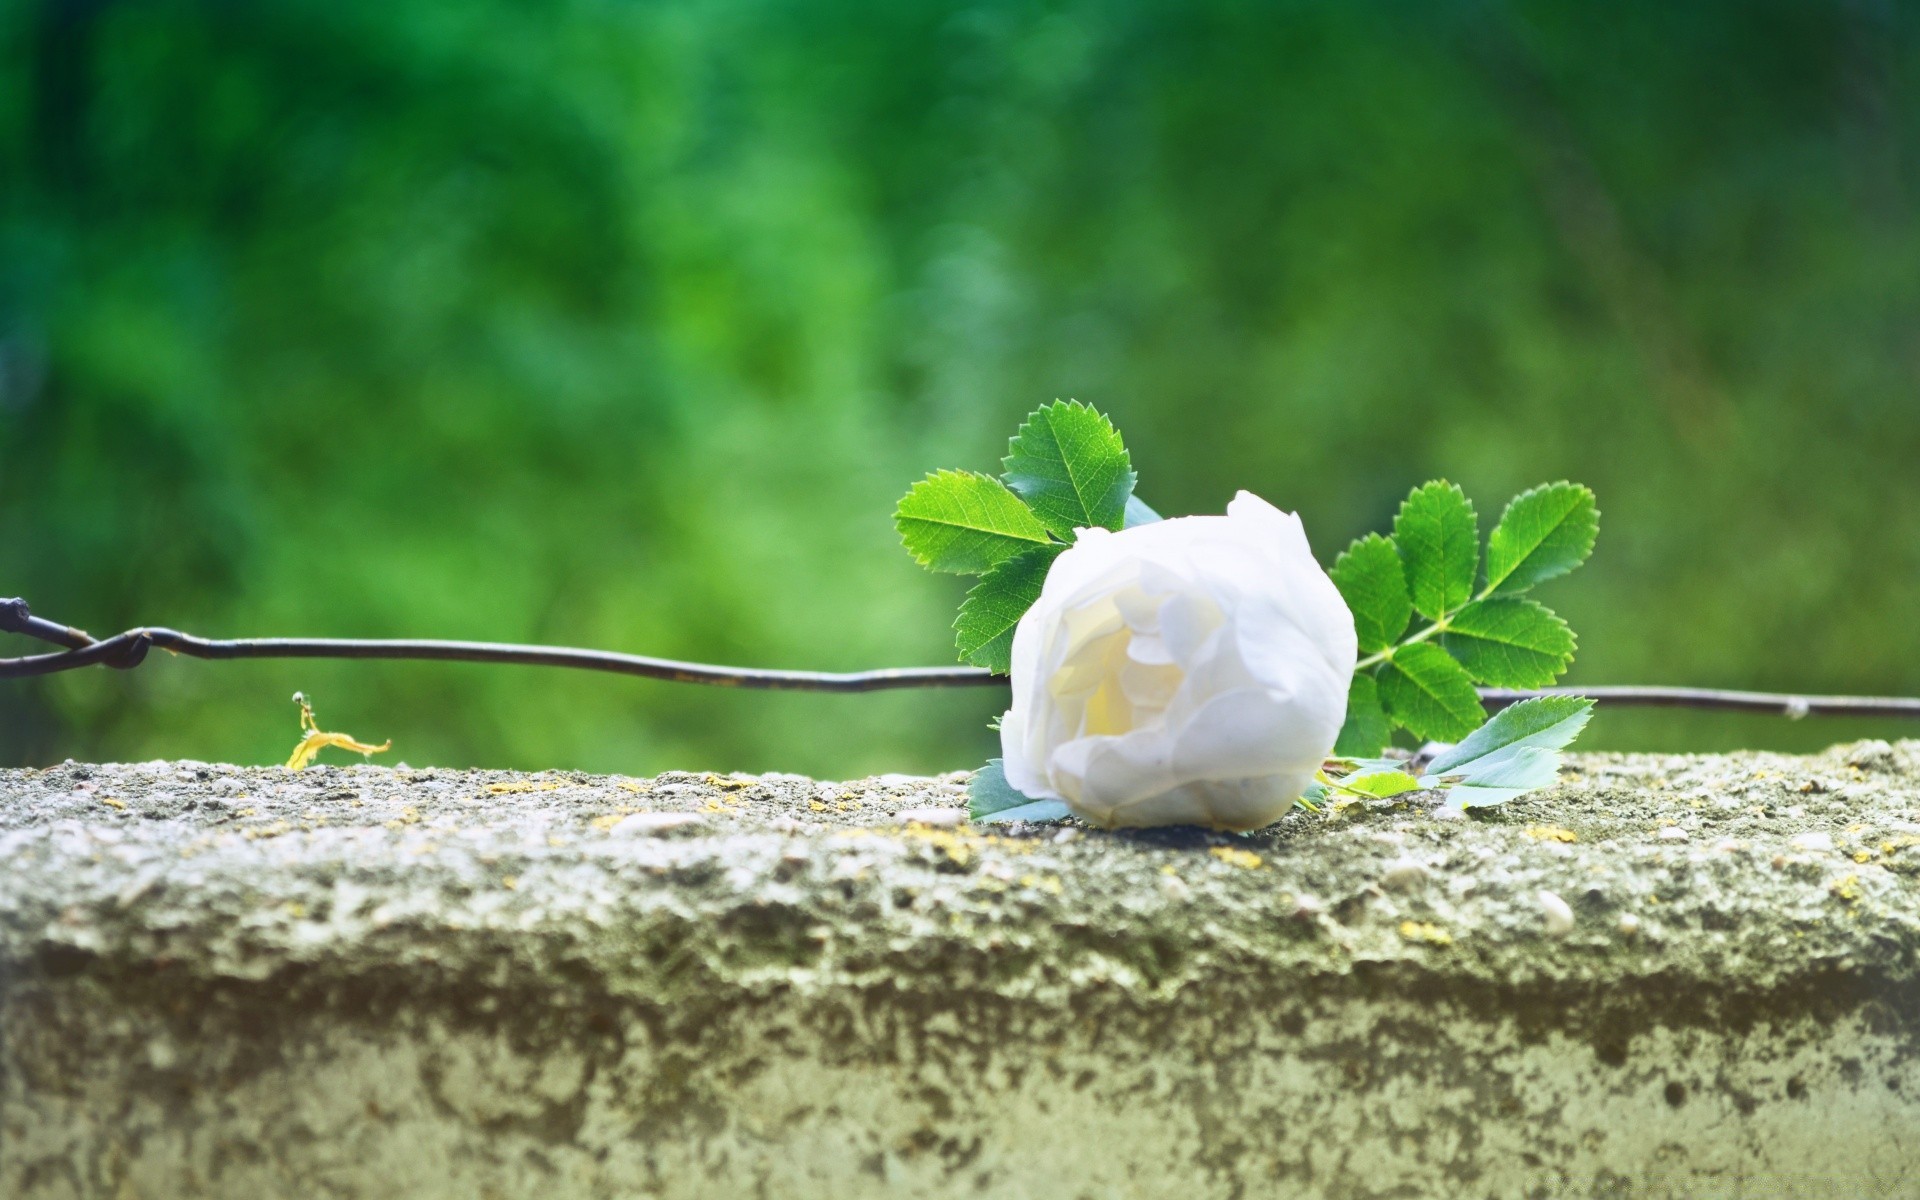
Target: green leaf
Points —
{"points": [[1438, 535], [1139, 514], [1431, 694], [1545, 722], [1510, 642], [984, 630], [1370, 581], [1526, 770], [965, 522], [1367, 728], [1381, 783], [991, 799], [1544, 533], [1370, 764], [1068, 462]]}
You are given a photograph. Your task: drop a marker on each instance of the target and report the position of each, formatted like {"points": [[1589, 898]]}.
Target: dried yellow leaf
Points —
{"points": [[1233, 856], [315, 741], [1425, 931]]}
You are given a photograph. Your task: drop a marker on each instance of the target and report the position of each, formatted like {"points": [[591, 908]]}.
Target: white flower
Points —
{"points": [[1190, 671]]}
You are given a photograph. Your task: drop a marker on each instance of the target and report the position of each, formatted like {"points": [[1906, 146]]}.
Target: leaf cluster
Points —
{"points": [[1478, 627], [1065, 470], [1516, 752]]}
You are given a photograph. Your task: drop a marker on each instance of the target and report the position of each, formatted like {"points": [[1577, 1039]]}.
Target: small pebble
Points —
{"points": [[652, 824], [1629, 925], [1405, 875], [1874, 755], [1306, 906], [1066, 835], [1174, 887], [1818, 839], [1559, 916], [1672, 833], [1448, 812], [938, 818]]}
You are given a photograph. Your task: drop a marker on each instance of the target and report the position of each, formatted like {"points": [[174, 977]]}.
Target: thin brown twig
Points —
{"points": [[129, 649]]}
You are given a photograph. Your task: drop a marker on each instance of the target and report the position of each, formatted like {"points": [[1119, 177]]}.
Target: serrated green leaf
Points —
{"points": [[984, 630], [1545, 722], [1138, 513], [1037, 812], [1069, 463], [1367, 728], [1527, 769], [1510, 642], [1381, 783], [1544, 532], [1424, 689], [991, 799], [1371, 764], [1370, 581], [965, 522], [1438, 536]]}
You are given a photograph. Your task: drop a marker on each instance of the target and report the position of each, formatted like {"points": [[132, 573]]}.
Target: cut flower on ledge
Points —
{"points": [[1186, 672], [1206, 670]]}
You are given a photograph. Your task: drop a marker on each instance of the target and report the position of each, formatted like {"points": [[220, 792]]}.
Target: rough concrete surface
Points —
{"points": [[365, 982]]}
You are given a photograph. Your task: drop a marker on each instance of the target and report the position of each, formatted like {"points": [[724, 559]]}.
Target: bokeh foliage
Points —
{"points": [[625, 325]]}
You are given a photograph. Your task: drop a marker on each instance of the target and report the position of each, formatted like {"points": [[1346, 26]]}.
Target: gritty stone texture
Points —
{"points": [[365, 982]]}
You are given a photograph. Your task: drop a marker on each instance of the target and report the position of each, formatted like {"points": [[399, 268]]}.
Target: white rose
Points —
{"points": [[1190, 671]]}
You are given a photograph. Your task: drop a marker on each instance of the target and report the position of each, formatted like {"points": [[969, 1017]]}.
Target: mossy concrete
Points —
{"points": [[364, 982]]}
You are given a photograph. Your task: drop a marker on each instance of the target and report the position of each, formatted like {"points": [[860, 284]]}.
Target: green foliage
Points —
{"points": [[1370, 580], [1138, 513], [984, 629], [1549, 722], [1510, 642], [1425, 690], [1516, 752], [1367, 726], [1544, 532], [1068, 462], [1509, 778], [1066, 469], [991, 799], [1380, 783], [965, 522], [1438, 537], [1423, 681]]}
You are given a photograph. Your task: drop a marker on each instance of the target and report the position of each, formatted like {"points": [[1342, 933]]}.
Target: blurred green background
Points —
{"points": [[624, 325]]}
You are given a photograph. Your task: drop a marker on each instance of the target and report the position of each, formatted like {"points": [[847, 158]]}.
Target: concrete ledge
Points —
{"points": [[363, 982]]}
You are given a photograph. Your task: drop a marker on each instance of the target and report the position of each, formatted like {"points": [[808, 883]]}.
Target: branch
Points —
{"points": [[129, 649], [1779, 704]]}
